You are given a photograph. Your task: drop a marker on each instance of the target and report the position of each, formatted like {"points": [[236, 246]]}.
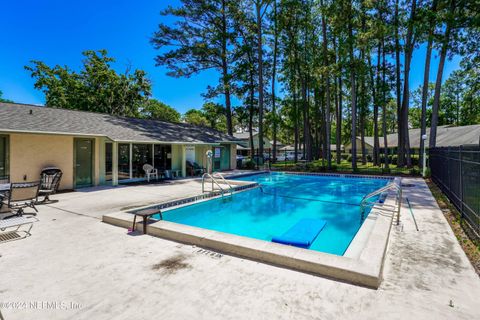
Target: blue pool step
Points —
{"points": [[302, 234]]}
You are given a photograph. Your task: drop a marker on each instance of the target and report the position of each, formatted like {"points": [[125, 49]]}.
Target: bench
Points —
{"points": [[145, 214]]}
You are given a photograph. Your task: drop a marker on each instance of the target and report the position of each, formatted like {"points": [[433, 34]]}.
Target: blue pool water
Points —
{"points": [[283, 200]]}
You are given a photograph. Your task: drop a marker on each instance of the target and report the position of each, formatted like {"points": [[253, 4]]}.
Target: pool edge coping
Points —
{"points": [[362, 267]]}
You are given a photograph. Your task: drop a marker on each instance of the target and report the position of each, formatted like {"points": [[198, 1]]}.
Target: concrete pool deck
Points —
{"points": [[99, 272]]}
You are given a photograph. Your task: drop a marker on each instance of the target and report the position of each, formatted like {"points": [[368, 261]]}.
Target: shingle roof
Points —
{"points": [[243, 135], [447, 136], [30, 118]]}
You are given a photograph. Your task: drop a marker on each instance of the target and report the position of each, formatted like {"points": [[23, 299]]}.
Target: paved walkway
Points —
{"points": [[94, 270]]}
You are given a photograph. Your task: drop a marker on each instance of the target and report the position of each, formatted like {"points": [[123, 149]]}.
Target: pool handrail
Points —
{"points": [[392, 185], [217, 174], [214, 181]]}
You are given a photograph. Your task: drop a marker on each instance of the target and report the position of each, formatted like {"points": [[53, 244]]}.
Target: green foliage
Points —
{"points": [[2, 99], [196, 117], [97, 87], [154, 109], [215, 114]]}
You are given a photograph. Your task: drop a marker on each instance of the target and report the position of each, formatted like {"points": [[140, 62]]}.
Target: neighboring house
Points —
{"points": [[97, 149], [447, 136], [243, 143], [288, 150]]}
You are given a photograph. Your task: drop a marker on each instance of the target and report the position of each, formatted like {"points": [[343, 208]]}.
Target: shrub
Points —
{"points": [[250, 165], [349, 158], [415, 161], [394, 160]]}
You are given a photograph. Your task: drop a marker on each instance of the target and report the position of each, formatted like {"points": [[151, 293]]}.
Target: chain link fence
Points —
{"points": [[456, 170]]}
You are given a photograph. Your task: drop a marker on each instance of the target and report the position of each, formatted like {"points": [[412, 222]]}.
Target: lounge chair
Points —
{"points": [[50, 180], [150, 171], [194, 168], [15, 222], [20, 196]]}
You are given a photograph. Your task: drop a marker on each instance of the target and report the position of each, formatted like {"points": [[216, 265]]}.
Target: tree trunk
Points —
{"points": [[225, 74], [384, 103], [295, 113], [375, 85], [362, 107], [250, 115], [410, 43], [274, 70], [426, 73], [338, 136], [260, 77], [398, 85], [438, 83], [353, 92], [306, 129], [327, 91]]}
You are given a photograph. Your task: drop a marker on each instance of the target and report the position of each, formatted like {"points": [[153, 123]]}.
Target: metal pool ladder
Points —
{"points": [[215, 182], [392, 185]]}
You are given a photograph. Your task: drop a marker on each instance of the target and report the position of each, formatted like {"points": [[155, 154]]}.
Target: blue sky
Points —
{"points": [[56, 32]]}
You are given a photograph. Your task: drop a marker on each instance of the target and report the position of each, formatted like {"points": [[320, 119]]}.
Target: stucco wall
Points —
{"points": [[177, 157], [233, 156], [200, 155], [30, 153]]}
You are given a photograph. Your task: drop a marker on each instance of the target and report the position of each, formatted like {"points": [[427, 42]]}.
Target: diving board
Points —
{"points": [[302, 234]]}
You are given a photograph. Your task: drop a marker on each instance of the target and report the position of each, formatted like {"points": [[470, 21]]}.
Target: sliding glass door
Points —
{"points": [[163, 157], [123, 161], [141, 155], [108, 161]]}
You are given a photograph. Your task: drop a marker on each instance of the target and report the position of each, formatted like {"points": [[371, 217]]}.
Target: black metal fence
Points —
{"points": [[456, 170]]}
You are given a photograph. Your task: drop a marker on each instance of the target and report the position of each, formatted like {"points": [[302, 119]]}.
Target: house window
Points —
{"points": [[4, 178], [141, 154], [123, 161]]}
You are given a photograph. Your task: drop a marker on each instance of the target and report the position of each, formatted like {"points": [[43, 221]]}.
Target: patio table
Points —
{"points": [[145, 214]]}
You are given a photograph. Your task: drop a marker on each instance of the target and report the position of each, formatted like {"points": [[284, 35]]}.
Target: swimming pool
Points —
{"points": [[282, 201]]}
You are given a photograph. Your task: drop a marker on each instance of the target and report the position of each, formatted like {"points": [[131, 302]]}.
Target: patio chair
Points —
{"points": [[15, 222], [150, 171], [199, 168], [20, 196], [194, 169], [50, 180]]}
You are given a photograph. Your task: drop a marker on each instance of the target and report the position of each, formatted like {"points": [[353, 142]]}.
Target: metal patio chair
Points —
{"points": [[17, 223], [20, 196], [50, 180]]}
